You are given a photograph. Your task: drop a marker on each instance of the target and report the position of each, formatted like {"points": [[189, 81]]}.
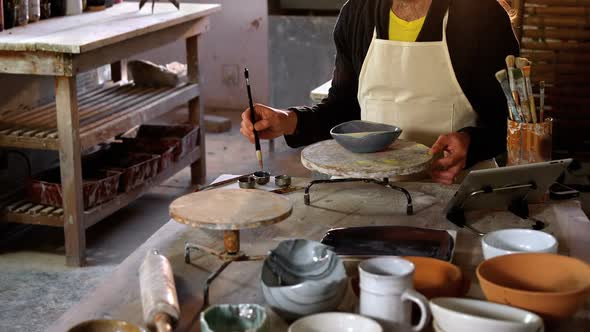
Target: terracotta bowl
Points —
{"points": [[433, 278], [436, 278], [553, 286]]}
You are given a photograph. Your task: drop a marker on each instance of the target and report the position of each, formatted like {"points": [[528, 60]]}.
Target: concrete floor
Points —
{"points": [[36, 287]]}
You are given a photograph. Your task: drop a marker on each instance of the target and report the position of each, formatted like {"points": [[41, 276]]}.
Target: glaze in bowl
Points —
{"points": [[364, 136], [302, 277]]}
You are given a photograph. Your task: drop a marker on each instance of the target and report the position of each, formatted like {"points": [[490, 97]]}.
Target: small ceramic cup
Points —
{"points": [[387, 291], [247, 182], [283, 181], [234, 318], [261, 177]]}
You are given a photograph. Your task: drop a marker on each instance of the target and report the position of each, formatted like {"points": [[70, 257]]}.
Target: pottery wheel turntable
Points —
{"points": [[228, 210], [402, 158]]}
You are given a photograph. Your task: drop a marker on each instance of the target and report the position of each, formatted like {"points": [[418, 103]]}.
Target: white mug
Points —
{"points": [[386, 287]]}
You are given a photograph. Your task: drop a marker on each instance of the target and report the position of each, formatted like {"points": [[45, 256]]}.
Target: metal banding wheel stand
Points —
{"points": [[399, 161], [230, 211]]}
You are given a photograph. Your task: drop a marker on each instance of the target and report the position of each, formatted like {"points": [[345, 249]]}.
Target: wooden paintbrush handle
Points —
{"points": [[163, 323]]}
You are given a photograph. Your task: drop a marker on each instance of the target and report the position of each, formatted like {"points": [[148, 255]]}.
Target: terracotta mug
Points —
{"points": [[387, 291]]}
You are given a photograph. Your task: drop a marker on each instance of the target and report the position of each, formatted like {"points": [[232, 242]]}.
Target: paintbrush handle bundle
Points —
{"points": [[158, 292], [518, 90]]}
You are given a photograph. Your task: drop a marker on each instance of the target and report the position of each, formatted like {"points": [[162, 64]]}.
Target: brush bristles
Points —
{"points": [[502, 75], [510, 61]]}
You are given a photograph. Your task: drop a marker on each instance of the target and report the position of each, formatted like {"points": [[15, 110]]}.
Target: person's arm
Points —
{"points": [[341, 105], [496, 40]]}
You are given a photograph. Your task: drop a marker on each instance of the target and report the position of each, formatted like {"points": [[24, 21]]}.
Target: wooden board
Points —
{"points": [[340, 205], [401, 158], [92, 30], [231, 209]]}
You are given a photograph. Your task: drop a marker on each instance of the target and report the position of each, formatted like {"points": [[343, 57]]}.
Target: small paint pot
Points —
{"points": [[283, 181], [261, 177], [247, 182]]}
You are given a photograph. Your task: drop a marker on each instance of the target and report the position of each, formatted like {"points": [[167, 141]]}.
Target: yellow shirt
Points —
{"points": [[400, 30]]}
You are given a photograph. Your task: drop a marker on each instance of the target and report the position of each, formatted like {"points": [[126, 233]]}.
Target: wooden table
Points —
{"points": [[64, 47], [337, 205]]}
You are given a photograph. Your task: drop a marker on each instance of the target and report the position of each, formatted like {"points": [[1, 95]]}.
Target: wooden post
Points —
{"points": [[68, 125], [195, 109], [231, 241]]}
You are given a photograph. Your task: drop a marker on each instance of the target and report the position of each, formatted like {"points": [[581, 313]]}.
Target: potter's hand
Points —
{"points": [[270, 122], [454, 148]]}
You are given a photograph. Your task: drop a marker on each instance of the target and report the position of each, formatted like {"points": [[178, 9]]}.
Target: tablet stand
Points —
{"points": [[519, 206]]}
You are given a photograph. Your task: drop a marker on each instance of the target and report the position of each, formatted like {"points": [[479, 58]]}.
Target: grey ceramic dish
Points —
{"points": [[234, 317], [303, 277], [364, 136]]}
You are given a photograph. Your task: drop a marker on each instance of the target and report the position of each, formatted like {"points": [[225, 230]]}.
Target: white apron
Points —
{"points": [[413, 85]]}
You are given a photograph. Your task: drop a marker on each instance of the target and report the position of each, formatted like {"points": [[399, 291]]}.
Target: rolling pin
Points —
{"points": [[158, 292]]}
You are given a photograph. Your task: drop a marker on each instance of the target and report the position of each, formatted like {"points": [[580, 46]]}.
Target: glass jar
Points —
{"points": [[34, 10], [9, 11], [45, 9], [22, 10]]}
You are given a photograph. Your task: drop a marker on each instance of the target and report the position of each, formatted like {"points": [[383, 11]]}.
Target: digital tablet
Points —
{"points": [[530, 181]]}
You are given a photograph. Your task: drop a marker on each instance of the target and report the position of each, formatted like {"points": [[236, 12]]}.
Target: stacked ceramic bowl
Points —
{"points": [[302, 277]]}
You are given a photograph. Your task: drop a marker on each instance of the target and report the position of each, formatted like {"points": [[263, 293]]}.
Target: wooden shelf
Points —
{"points": [[104, 113], [24, 212]]}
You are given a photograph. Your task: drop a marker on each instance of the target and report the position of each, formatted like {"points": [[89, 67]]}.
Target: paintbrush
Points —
{"points": [[521, 62], [253, 119], [521, 93], [502, 77], [526, 72], [542, 101], [510, 65]]}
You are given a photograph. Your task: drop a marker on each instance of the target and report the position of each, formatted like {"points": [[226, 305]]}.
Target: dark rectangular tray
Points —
{"points": [[98, 186], [134, 167], [166, 153], [184, 138], [390, 241]]}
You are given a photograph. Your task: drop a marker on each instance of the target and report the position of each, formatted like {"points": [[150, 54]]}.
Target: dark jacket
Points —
{"points": [[479, 37]]}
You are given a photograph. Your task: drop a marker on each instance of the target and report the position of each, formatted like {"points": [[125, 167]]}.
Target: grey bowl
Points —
{"points": [[364, 136], [234, 317], [303, 277]]}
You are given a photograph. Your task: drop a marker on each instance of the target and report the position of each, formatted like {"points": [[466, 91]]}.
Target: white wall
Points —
{"points": [[238, 38]]}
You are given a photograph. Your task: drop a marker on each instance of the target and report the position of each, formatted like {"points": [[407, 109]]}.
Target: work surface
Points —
{"points": [[88, 31], [333, 205]]}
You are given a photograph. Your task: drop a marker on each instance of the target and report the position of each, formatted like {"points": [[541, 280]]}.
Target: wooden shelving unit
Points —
{"points": [[21, 211], [104, 113], [64, 47]]}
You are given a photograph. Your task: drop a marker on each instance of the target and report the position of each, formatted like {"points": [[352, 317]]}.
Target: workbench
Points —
{"points": [[64, 47], [333, 205]]}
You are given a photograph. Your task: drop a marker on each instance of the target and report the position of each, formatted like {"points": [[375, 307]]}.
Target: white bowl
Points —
{"points": [[464, 315], [510, 241], [335, 321]]}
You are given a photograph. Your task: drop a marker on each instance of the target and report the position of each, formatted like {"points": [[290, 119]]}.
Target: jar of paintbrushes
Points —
{"points": [[529, 134]]}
